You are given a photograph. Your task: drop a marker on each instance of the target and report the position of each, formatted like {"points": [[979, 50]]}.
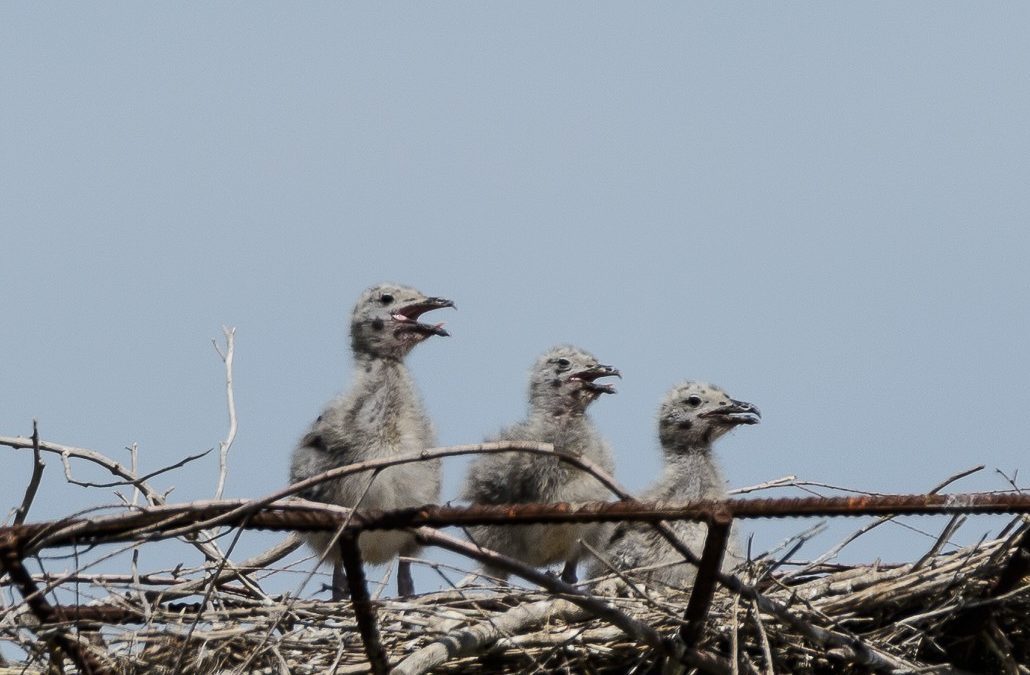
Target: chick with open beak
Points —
{"points": [[563, 383], [380, 416], [385, 322]]}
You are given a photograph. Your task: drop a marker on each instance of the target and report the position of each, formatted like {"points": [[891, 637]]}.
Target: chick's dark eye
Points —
{"points": [[386, 298], [694, 401], [563, 363]]}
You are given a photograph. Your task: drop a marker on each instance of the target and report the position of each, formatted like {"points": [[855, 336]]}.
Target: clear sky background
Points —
{"points": [[821, 207]]}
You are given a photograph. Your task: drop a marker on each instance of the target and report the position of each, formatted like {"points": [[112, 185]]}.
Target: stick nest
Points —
{"points": [[945, 610]]}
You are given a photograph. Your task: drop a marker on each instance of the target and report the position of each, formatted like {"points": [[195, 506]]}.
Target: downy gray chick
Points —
{"points": [[381, 415], [692, 417], [562, 385]]}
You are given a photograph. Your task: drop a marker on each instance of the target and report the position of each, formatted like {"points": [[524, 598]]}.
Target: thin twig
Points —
{"points": [[333, 541], [37, 475], [429, 536], [135, 482], [128, 476], [785, 481], [640, 590], [833, 552], [207, 597], [949, 530], [260, 561], [432, 453], [134, 467], [735, 636], [115, 468], [223, 446], [12, 563], [955, 477], [764, 639]]}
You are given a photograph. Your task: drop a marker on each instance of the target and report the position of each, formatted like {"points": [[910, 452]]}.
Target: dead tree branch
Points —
{"points": [[37, 475], [432, 453], [230, 397]]}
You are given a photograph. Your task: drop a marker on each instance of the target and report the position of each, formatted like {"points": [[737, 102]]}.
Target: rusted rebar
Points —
{"points": [[704, 584], [309, 516], [364, 611], [510, 514]]}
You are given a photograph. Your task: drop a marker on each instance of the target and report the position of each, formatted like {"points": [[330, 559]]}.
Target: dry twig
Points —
{"points": [[230, 397], [37, 475]]}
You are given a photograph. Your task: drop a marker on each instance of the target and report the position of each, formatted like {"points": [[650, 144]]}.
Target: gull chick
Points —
{"points": [[380, 416], [562, 385], [692, 417]]}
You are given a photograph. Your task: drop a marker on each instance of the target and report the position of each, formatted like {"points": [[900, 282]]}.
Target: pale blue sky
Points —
{"points": [[821, 207]]}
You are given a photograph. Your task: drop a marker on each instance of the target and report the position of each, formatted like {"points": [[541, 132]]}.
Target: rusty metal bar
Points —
{"points": [[510, 514], [704, 585], [303, 516], [11, 562], [364, 610]]}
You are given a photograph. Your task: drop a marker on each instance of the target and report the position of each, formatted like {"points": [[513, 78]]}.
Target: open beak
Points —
{"points": [[408, 316], [734, 413], [588, 377]]}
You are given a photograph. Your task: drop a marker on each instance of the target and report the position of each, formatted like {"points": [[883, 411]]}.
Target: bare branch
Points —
{"points": [[37, 475], [223, 446], [480, 636], [113, 467], [764, 639], [432, 453], [785, 481], [954, 523], [134, 467], [128, 476], [951, 479], [136, 481], [207, 597], [260, 561]]}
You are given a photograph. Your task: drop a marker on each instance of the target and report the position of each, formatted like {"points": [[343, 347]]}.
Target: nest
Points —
{"points": [[966, 609]]}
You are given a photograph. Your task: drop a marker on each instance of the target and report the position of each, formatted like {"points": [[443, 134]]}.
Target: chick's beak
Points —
{"points": [[588, 377], [408, 316], [736, 412]]}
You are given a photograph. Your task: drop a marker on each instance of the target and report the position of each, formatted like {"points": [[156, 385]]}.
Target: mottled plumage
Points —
{"points": [[562, 385], [692, 417], [381, 415]]}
